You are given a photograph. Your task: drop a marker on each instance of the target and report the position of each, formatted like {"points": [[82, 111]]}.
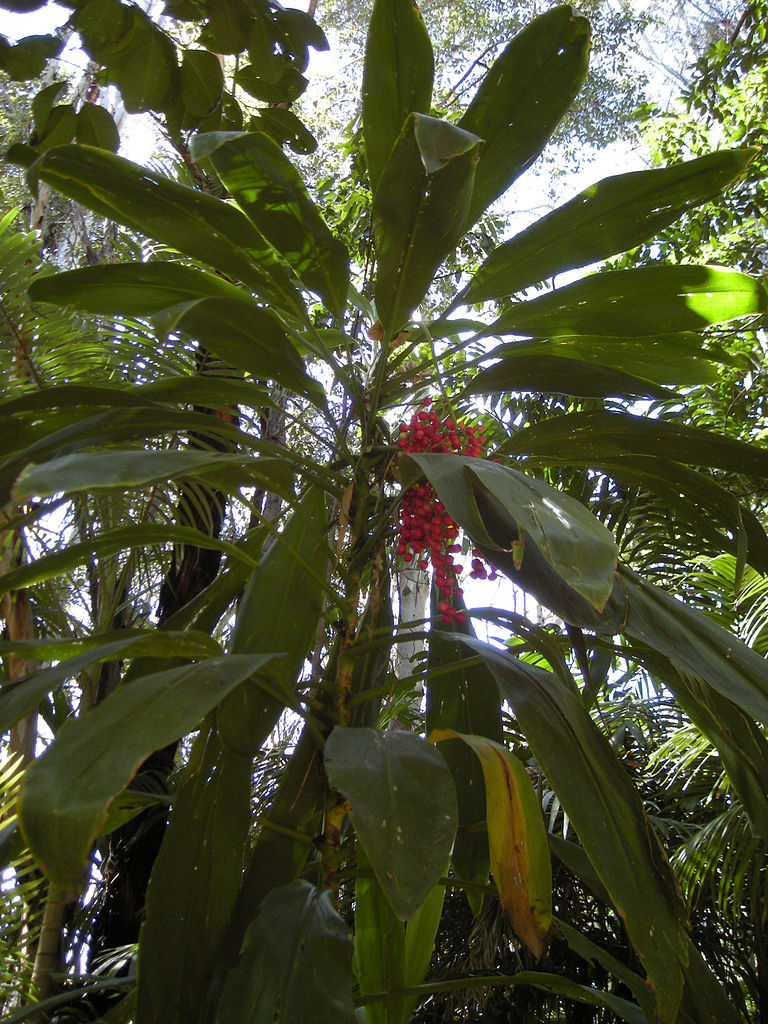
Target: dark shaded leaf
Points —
{"points": [[403, 807], [184, 218], [26, 59], [296, 963], [202, 82], [522, 98], [96, 127]]}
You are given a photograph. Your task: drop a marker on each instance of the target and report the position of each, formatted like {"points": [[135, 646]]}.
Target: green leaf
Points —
{"points": [[608, 816], [397, 77], [281, 608], [43, 103], [183, 218], [202, 82], [132, 289], [60, 127], [545, 372], [663, 359], [26, 59], [194, 884], [517, 840], [380, 959], [96, 471], [522, 99], [296, 963], [96, 127], [66, 793], [271, 192], [403, 807], [285, 127], [627, 303], [22, 696], [419, 211], [609, 217], [501, 508], [601, 436], [145, 64], [256, 342], [262, 82], [465, 698]]}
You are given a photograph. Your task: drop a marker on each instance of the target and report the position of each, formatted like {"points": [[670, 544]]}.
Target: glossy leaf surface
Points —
{"points": [[645, 301], [403, 807], [609, 217], [499, 507]]}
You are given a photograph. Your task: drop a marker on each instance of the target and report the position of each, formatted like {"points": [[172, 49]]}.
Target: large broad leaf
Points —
{"points": [[397, 77], [646, 301], [96, 471], [612, 216], [296, 963], [463, 696], [133, 289], [281, 607], [194, 883], [522, 98], [419, 211], [662, 359], [504, 510], [549, 372], [21, 696], [202, 82], [601, 436], [271, 192], [608, 815], [184, 218], [403, 807], [26, 59], [517, 839], [67, 791], [252, 339]]}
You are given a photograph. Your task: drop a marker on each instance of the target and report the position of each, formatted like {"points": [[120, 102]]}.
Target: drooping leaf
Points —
{"points": [[143, 63], [67, 791], [271, 192], [26, 59], [194, 883], [95, 126], [419, 211], [522, 98], [645, 301], [281, 608], [202, 82], [403, 807], [609, 217], [296, 963], [517, 839], [500, 507], [608, 816], [184, 218], [465, 698], [397, 77]]}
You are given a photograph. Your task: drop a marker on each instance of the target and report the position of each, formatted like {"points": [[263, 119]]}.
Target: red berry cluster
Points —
{"points": [[427, 531]]}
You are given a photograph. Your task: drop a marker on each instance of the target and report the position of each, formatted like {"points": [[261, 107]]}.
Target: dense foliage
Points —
{"points": [[232, 433]]}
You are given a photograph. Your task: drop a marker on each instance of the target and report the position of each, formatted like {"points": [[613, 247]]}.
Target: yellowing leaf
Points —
{"points": [[517, 840]]}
